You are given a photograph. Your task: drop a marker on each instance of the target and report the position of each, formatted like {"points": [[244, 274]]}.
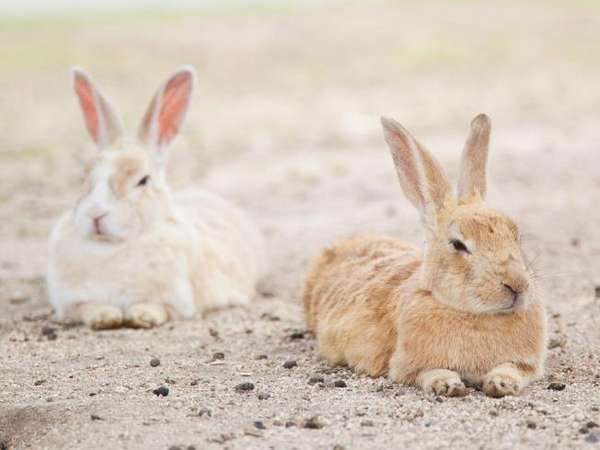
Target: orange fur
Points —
{"points": [[438, 318]]}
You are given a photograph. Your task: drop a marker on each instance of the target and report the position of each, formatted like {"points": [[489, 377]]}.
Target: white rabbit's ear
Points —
{"points": [[471, 183], [421, 177], [167, 110], [101, 120]]}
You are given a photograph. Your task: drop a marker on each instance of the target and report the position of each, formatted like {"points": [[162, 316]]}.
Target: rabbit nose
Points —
{"points": [[516, 287], [97, 219]]}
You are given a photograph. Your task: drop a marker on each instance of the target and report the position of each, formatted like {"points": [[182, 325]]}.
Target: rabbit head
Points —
{"points": [[473, 259], [125, 190]]}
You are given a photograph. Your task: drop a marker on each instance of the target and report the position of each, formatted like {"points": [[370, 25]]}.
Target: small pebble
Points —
{"points": [[263, 395], [531, 424], [290, 364], [259, 357], [38, 382], [367, 423], [259, 425], [95, 417], [49, 333], [297, 335], [204, 412], [597, 291], [313, 423], [439, 399], [591, 424], [218, 355], [555, 386], [244, 387], [155, 362], [161, 391], [316, 379], [290, 424], [340, 383]]}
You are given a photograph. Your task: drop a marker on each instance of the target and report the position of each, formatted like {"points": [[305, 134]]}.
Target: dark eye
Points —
{"points": [[459, 246], [144, 181]]}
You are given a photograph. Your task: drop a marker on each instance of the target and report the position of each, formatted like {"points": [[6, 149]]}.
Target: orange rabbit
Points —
{"points": [[465, 309]]}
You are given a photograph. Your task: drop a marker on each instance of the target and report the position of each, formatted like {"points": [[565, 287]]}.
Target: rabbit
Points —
{"points": [[130, 252], [465, 312]]}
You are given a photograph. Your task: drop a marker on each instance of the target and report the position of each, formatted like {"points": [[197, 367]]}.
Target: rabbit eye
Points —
{"points": [[459, 246], [144, 181]]}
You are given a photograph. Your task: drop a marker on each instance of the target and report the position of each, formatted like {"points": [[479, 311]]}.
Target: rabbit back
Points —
{"points": [[351, 297]]}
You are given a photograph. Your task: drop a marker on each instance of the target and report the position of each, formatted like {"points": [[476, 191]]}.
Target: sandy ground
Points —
{"points": [[285, 122]]}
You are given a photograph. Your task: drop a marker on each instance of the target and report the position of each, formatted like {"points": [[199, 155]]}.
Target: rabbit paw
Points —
{"points": [[499, 384], [449, 387], [103, 317], [443, 382], [145, 315]]}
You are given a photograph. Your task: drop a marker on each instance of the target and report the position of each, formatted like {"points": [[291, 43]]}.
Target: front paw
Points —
{"points": [[449, 387], [103, 317], [499, 384], [144, 315], [442, 382]]}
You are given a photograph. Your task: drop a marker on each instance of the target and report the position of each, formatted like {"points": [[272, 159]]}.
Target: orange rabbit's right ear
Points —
{"points": [[471, 183], [101, 120], [421, 177]]}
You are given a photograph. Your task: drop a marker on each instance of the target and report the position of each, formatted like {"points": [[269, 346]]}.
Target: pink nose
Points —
{"points": [[97, 220]]}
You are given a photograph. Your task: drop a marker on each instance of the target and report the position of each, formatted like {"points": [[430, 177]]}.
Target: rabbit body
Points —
{"points": [[465, 310], [132, 253], [206, 255]]}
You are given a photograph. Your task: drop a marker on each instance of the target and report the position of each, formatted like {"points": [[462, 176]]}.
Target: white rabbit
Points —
{"points": [[132, 253]]}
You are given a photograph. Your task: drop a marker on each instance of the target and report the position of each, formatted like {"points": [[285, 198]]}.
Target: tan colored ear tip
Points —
{"points": [[481, 121]]}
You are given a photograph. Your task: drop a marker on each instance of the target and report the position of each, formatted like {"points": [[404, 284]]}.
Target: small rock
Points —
{"points": [[597, 292], [175, 447], [263, 395], [95, 417], [244, 387], [316, 379], [593, 437], [297, 335], [555, 343], [575, 242], [252, 432], [313, 423], [367, 423], [204, 412], [290, 424], [49, 333], [161, 391], [259, 425], [340, 383], [439, 399], [338, 447], [531, 424], [218, 355], [155, 362], [556, 386], [38, 382], [584, 430], [493, 413], [290, 364], [259, 357], [591, 424]]}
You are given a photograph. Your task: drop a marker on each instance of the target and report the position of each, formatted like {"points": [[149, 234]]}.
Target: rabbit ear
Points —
{"points": [[422, 179], [167, 110], [471, 183], [101, 120]]}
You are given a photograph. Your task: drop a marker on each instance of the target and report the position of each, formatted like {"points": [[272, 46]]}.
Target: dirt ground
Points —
{"points": [[286, 123]]}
